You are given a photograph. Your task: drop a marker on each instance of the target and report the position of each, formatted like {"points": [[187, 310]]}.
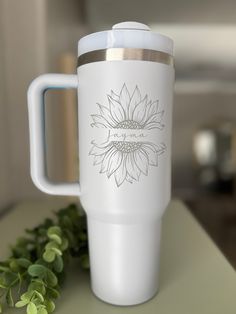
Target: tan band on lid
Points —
{"points": [[116, 54]]}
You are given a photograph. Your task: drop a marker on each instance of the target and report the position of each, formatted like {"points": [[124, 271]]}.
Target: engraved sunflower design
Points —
{"points": [[127, 160]]}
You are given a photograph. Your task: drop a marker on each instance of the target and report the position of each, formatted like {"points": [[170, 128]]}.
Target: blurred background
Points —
{"points": [[39, 36]]}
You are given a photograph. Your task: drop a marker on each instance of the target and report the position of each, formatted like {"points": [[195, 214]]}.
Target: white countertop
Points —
{"points": [[195, 278]]}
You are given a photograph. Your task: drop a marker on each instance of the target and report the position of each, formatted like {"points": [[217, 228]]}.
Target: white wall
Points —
{"points": [[31, 37], [4, 147], [23, 58], [104, 13]]}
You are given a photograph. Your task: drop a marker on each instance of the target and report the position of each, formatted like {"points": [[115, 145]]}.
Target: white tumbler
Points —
{"points": [[125, 91]]}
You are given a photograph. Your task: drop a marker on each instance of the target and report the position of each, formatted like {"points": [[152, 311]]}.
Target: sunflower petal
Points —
{"points": [[155, 118], [98, 125], [106, 159], [105, 112], [145, 117], [141, 161], [120, 173], [153, 108], [102, 145], [115, 96], [154, 125], [116, 109], [158, 148], [151, 153], [125, 100], [135, 100], [128, 178], [160, 115], [99, 149], [97, 119], [140, 110], [132, 169], [114, 163], [98, 159]]}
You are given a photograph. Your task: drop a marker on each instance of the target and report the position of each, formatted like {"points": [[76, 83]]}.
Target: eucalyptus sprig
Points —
{"points": [[33, 274]]}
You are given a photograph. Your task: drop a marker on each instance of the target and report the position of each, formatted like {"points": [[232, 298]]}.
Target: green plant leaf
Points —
{"points": [[51, 245], [43, 272], [39, 295], [42, 310], [70, 237], [67, 222], [50, 305], [21, 303], [49, 255], [83, 236], [3, 283], [4, 269], [24, 262], [55, 238], [50, 278], [52, 293], [37, 270], [84, 261], [19, 251], [20, 282], [14, 266], [57, 251], [10, 277], [54, 230], [58, 264], [9, 298], [37, 285], [27, 296], [0, 308], [64, 244], [31, 308]]}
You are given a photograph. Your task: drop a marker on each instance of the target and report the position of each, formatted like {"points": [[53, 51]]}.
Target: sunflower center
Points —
{"points": [[128, 124], [126, 147]]}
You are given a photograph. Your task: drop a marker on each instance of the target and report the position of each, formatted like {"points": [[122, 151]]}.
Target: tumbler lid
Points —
{"points": [[131, 25], [126, 35]]}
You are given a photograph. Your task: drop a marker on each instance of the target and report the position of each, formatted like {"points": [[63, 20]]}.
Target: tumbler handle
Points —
{"points": [[36, 111]]}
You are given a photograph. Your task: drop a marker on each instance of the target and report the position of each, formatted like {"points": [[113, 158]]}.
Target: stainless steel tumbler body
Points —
{"points": [[125, 92]]}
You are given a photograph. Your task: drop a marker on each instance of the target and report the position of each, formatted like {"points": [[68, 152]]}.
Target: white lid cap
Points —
{"points": [[126, 35], [124, 260]]}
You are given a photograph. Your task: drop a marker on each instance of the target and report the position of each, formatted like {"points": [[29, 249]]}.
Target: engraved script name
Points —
{"points": [[124, 136]]}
